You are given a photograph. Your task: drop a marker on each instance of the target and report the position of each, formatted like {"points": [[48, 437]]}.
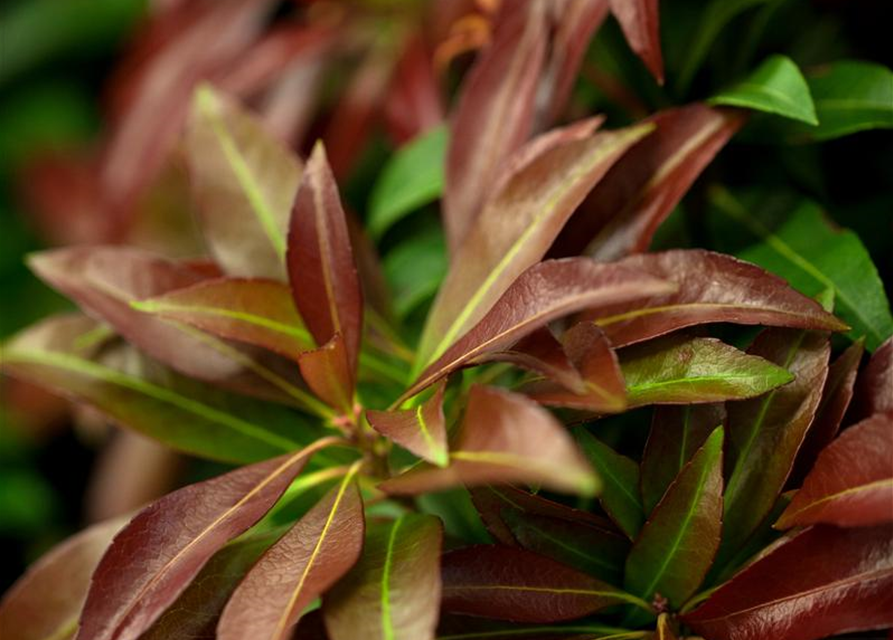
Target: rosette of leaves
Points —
{"points": [[355, 442]]}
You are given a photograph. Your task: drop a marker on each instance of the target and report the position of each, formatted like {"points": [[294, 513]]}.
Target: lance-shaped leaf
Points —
{"points": [[422, 430], [676, 434], [765, 433], [681, 370], [576, 538], [836, 398], [245, 182], [321, 267], [540, 189], [640, 22], [141, 395], [328, 373], [393, 592], [851, 96], [874, 386], [620, 479], [851, 484], [299, 568], [711, 288], [153, 560], [504, 438], [628, 205], [675, 549], [46, 602], [507, 583], [494, 115], [823, 582], [545, 292]]}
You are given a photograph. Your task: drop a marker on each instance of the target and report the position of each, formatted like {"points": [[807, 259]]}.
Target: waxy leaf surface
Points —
{"points": [[422, 430], [507, 583], [823, 582], [676, 546], [393, 592], [640, 22], [328, 373], [245, 182], [711, 288], [851, 484], [299, 568], [504, 438], [681, 370]]}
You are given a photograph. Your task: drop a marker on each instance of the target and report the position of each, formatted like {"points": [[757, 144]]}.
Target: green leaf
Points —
{"points": [[676, 546], [412, 178], [681, 370], [777, 86], [415, 268], [813, 256], [851, 96], [393, 592], [620, 483]]}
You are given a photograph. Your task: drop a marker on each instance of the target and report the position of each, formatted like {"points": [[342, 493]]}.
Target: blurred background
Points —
{"points": [[92, 94]]}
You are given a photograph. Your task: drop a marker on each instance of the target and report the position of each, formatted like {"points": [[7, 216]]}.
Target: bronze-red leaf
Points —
{"points": [[641, 26]]}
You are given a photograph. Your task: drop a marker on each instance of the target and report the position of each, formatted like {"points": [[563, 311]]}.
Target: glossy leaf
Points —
{"points": [[422, 430], [851, 96], [299, 568], [328, 373], [414, 270], [681, 370], [141, 395], [506, 583], [46, 602], [711, 288], [851, 484], [641, 25], [823, 582], [675, 549], [764, 434], [504, 438], [620, 479], [576, 538], [321, 267], [540, 189], [393, 592], [153, 560], [545, 292], [622, 212], [412, 178], [874, 386], [494, 115], [825, 259], [676, 434]]}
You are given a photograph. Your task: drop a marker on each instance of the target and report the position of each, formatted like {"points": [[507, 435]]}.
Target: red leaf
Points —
{"points": [[414, 103], [328, 373], [823, 582], [711, 288], [851, 484], [641, 26], [874, 386], [321, 267], [421, 430]]}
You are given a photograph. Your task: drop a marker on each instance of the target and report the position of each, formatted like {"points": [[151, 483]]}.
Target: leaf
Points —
{"points": [[157, 555], [472, 628], [823, 582], [244, 181], [620, 479], [677, 369], [393, 592], [851, 484], [825, 259], [711, 288], [622, 212], [545, 292], [321, 267], [677, 432], [412, 178], [329, 375], [576, 538], [422, 430], [874, 386], [415, 268], [513, 584], [493, 115], [665, 628], [539, 190], [676, 546], [765, 433], [504, 437], [299, 568], [46, 602], [641, 26], [851, 96], [140, 395]]}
